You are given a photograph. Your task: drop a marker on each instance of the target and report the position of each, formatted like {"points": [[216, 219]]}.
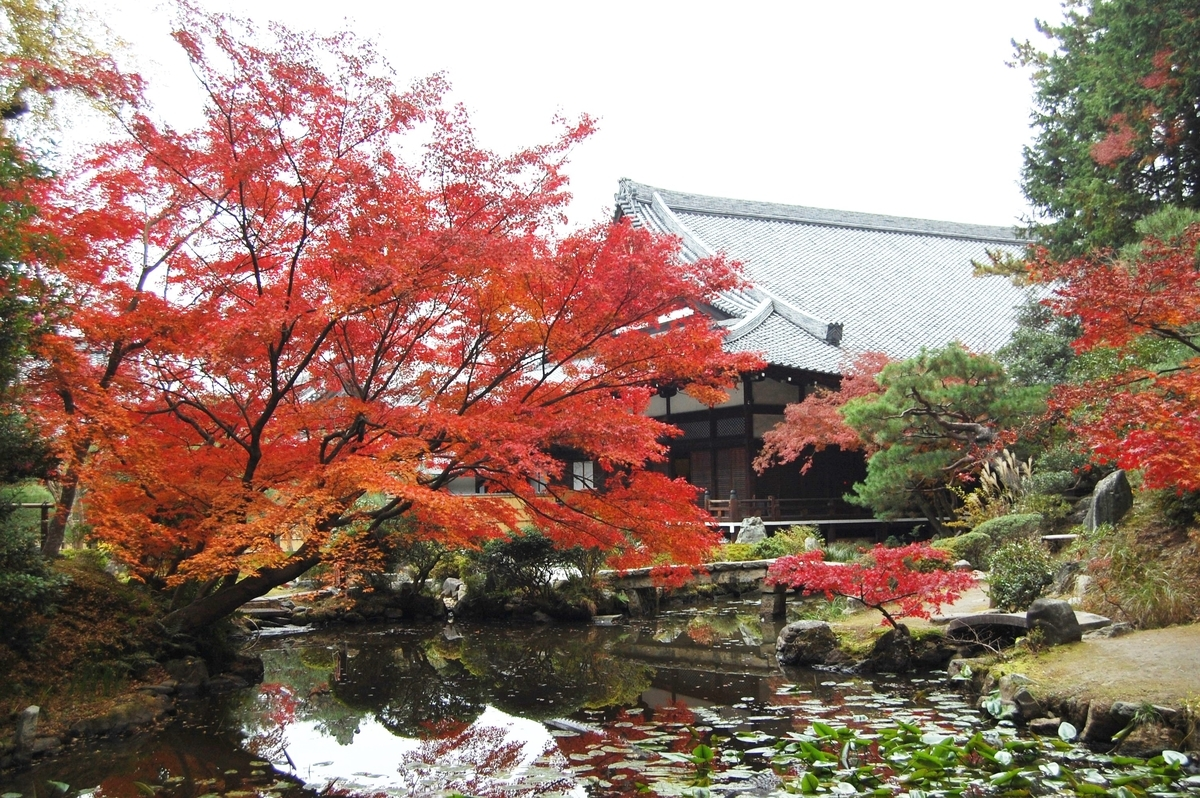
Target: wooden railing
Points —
{"points": [[44, 519], [773, 509]]}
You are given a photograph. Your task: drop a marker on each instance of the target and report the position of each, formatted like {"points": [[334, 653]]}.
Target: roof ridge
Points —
{"points": [[632, 191]]}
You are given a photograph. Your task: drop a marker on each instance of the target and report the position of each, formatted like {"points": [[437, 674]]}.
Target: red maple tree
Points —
{"points": [[310, 315], [1140, 318], [815, 423], [904, 582]]}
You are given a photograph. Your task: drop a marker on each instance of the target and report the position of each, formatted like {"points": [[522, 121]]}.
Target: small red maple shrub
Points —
{"points": [[914, 578]]}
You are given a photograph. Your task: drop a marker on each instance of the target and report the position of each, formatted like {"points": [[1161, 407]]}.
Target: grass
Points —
{"points": [[1138, 579]]}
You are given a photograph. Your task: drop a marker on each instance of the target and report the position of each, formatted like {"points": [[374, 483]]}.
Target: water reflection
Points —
{"points": [[498, 710]]}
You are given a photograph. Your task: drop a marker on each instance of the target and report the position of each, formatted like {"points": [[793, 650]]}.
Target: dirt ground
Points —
{"points": [[1159, 666]]}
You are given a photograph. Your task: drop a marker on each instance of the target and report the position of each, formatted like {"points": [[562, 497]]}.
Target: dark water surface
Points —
{"points": [[503, 711]]}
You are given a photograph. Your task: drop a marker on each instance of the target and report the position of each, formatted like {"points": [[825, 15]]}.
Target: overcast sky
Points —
{"points": [[904, 108]]}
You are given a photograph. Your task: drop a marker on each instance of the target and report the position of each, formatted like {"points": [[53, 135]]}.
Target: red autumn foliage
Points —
{"points": [[1146, 413], [904, 582], [311, 315], [673, 577], [1117, 145], [815, 423]]}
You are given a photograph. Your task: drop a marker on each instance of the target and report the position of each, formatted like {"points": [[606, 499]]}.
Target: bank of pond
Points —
{"points": [[692, 702]]}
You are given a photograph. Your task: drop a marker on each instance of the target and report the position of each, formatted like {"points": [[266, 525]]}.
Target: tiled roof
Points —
{"points": [[893, 284]]}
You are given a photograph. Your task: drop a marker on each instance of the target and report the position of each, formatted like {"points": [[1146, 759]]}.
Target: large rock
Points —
{"points": [[1014, 693], [1102, 723], [808, 643], [143, 710], [1056, 620], [191, 674], [753, 531], [1149, 740], [27, 724], [1112, 498], [892, 653], [190, 671]]}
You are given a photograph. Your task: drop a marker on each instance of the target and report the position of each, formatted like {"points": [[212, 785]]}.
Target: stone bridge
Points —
{"points": [[745, 577]]}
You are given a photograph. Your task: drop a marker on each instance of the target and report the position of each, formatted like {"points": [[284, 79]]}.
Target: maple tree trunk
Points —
{"points": [[56, 530], [216, 605]]}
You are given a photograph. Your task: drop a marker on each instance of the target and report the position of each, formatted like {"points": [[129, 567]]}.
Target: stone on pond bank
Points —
{"points": [[1055, 619], [143, 710], [27, 723], [808, 643], [897, 651]]}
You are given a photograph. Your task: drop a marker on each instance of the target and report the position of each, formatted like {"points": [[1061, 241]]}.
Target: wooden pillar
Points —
{"points": [[45, 521]]}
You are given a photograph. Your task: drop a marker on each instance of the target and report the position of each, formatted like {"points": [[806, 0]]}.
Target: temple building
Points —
{"points": [[823, 287]]}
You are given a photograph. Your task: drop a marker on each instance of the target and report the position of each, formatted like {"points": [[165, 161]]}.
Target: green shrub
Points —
{"points": [[458, 564], [27, 585], [1007, 528], [785, 541], [841, 552], [1178, 510], [1052, 482], [1050, 506], [974, 547], [527, 563], [736, 552], [1021, 572]]}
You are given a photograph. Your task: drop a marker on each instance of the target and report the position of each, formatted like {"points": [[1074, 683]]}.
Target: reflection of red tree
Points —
{"points": [[280, 710], [702, 632], [281, 703], [435, 729], [677, 712], [486, 757]]}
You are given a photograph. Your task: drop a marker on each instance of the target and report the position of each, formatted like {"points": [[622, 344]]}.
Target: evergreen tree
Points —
{"points": [[1117, 110]]}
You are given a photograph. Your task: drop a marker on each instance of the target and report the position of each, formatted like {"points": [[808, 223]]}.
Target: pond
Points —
{"points": [[689, 703]]}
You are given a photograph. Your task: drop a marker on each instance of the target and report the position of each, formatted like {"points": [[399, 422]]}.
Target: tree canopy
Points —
{"points": [[313, 313], [937, 416], [1140, 316], [1117, 115], [816, 423]]}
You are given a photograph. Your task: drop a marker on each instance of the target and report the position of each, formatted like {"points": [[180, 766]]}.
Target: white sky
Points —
{"points": [[904, 108]]}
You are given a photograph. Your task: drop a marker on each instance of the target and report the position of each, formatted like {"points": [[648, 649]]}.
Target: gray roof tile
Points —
{"points": [[895, 284]]}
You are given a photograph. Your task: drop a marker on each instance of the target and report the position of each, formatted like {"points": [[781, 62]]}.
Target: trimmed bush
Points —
{"points": [[1006, 528], [1021, 572], [736, 552], [974, 547], [785, 541]]}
